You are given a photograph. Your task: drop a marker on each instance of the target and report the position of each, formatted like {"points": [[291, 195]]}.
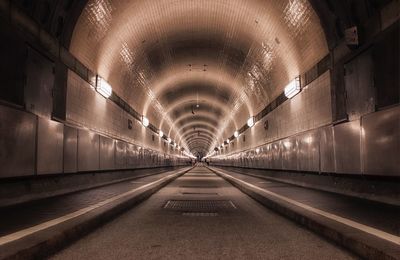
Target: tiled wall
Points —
{"points": [[310, 109], [369, 146], [87, 108], [300, 136], [39, 146]]}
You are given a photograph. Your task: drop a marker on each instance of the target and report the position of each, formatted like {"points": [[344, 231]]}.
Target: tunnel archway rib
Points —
{"points": [[190, 110], [199, 149], [198, 126], [238, 54], [202, 132], [187, 120], [185, 105], [199, 144], [202, 135], [202, 140]]}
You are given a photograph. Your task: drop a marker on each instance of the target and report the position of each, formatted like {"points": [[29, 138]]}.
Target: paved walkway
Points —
{"points": [[201, 216]]}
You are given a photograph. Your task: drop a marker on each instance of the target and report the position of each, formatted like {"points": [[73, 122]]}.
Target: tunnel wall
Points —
{"points": [[369, 145], [36, 136], [305, 133], [87, 108], [40, 146], [310, 109]]}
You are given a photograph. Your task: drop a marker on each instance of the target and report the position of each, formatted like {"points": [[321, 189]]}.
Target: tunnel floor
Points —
{"points": [[25, 215], [378, 215], [201, 216]]}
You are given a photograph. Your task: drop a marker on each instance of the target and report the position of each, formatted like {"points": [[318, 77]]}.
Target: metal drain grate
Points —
{"points": [[199, 193], [205, 206], [199, 186], [200, 175], [200, 214]]}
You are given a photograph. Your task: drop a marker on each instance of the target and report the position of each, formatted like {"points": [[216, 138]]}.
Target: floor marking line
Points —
{"points": [[370, 230], [166, 205], [29, 231]]}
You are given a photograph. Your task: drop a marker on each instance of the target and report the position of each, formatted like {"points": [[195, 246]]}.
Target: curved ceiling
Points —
{"points": [[198, 66]]}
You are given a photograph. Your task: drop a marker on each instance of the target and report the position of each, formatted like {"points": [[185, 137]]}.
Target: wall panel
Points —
{"points": [[277, 155], [368, 146], [107, 153], [327, 155], [60, 148], [39, 84], [381, 142], [50, 146], [289, 147], [359, 83], [70, 149], [131, 156], [88, 151], [120, 154], [347, 147], [17, 142], [308, 151]]}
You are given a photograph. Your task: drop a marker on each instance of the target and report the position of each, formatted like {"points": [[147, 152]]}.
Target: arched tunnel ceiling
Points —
{"points": [[206, 64]]}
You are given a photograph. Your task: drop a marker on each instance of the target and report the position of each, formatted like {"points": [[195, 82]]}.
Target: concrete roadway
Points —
{"points": [[201, 216]]}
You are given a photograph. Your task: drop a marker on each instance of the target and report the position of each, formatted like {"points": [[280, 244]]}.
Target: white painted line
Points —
{"points": [[29, 231], [166, 205], [233, 205], [370, 230]]}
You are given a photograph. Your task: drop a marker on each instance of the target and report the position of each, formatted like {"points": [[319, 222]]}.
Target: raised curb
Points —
{"points": [[355, 240], [25, 189], [48, 241]]}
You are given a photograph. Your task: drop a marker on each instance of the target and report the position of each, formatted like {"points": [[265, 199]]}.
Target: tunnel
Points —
{"points": [[199, 129]]}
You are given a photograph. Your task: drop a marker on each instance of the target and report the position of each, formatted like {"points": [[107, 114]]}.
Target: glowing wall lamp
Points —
{"points": [[169, 140], [161, 133], [145, 121], [293, 88], [103, 88], [228, 141], [236, 134], [250, 121]]}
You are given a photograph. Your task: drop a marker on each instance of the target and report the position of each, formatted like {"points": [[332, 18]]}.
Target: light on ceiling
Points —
{"points": [[169, 140], [103, 88], [161, 133], [250, 121], [293, 88], [145, 121], [228, 141], [236, 134]]}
